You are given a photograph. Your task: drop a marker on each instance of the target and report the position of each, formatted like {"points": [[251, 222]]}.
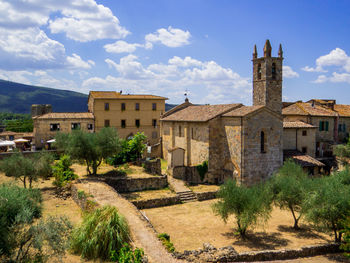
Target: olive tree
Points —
{"points": [[92, 148], [289, 188], [327, 205], [249, 205]]}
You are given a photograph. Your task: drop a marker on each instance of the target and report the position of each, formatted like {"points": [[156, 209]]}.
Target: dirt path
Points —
{"points": [[177, 185], [143, 234]]}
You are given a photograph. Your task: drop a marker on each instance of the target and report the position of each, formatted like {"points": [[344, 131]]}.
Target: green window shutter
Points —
{"points": [[320, 126], [326, 125]]}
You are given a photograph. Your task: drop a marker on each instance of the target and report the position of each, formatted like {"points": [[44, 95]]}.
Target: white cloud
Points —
{"points": [[288, 72], [337, 57], [75, 61], [171, 37], [121, 46], [321, 79], [221, 85]]}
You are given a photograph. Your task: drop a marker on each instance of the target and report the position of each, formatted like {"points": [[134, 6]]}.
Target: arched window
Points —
{"points": [[273, 71], [262, 142], [259, 71]]}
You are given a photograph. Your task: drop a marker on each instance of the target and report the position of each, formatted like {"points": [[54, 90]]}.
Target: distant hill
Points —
{"points": [[18, 98]]}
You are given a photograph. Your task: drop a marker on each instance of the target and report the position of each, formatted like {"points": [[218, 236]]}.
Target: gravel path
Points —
{"points": [[143, 234]]}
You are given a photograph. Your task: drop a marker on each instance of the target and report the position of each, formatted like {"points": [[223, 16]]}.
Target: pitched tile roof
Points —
{"points": [[117, 95], [304, 109], [343, 110], [242, 111], [66, 115], [302, 159], [22, 134], [200, 113], [297, 124]]}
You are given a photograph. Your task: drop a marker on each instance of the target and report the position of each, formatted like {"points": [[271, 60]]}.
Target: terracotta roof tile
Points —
{"points": [[343, 110], [303, 160], [66, 115], [201, 113], [22, 134], [304, 109], [117, 95], [242, 111], [297, 124]]}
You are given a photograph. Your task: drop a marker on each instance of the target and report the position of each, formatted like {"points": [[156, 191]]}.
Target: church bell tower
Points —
{"points": [[267, 79]]}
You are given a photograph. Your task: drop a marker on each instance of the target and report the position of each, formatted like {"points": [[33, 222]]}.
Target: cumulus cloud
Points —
{"points": [[337, 57], [221, 85], [288, 72], [335, 78], [170, 37], [75, 61], [121, 46]]}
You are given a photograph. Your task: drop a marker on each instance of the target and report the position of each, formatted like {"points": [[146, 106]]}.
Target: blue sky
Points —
{"points": [[167, 47]]}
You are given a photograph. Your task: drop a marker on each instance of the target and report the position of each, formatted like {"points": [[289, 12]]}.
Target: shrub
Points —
{"points": [[127, 255], [165, 238], [62, 171], [101, 232], [346, 232], [202, 169], [250, 205]]}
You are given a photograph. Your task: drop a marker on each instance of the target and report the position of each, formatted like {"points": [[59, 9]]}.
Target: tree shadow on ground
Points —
{"points": [[259, 240], [304, 232], [337, 257]]}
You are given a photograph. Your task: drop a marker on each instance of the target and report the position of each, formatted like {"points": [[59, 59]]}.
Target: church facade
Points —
{"points": [[241, 142]]}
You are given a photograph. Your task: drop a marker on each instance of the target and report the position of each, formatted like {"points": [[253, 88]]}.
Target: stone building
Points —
{"points": [[47, 125], [129, 114], [241, 142]]}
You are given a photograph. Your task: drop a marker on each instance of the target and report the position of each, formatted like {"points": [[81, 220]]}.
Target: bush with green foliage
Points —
{"points": [[127, 255], [290, 188], [343, 150], [101, 232], [30, 168], [202, 169], [62, 172], [327, 205], [20, 239], [17, 122], [250, 205], [165, 238], [131, 150], [91, 148], [346, 238]]}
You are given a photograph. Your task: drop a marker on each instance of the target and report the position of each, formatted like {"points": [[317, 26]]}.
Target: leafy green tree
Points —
{"points": [[27, 168], [327, 205], [62, 171], [137, 145], [250, 205], [19, 125], [92, 148], [101, 234], [289, 187], [346, 238], [342, 151]]}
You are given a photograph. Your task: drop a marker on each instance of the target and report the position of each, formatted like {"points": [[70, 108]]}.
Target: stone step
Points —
{"points": [[187, 196]]}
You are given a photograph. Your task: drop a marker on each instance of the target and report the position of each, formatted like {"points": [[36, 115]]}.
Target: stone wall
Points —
{"points": [[124, 185], [201, 196], [187, 173], [153, 167], [228, 254], [157, 202], [324, 135], [293, 139]]}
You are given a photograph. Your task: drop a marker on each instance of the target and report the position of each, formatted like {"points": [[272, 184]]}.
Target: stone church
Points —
{"points": [[241, 142]]}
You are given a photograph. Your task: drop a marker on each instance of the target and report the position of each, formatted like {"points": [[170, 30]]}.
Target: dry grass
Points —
{"points": [[204, 188], [149, 194], [192, 224]]}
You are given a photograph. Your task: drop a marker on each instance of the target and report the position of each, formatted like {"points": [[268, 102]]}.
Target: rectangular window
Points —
{"points": [[154, 135], [106, 106], [154, 106], [321, 126], [180, 135], [304, 149], [326, 128], [137, 106], [304, 133], [192, 133], [123, 123], [123, 106], [107, 123], [75, 126], [154, 123], [340, 128], [11, 137], [54, 127], [137, 123], [90, 126]]}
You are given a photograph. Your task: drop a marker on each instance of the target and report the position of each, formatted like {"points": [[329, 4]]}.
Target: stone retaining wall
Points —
{"points": [[84, 201], [187, 173], [157, 202], [228, 254], [201, 196], [153, 167], [124, 185]]}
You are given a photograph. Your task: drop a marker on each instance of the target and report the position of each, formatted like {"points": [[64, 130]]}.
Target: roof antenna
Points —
{"points": [[186, 93]]}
